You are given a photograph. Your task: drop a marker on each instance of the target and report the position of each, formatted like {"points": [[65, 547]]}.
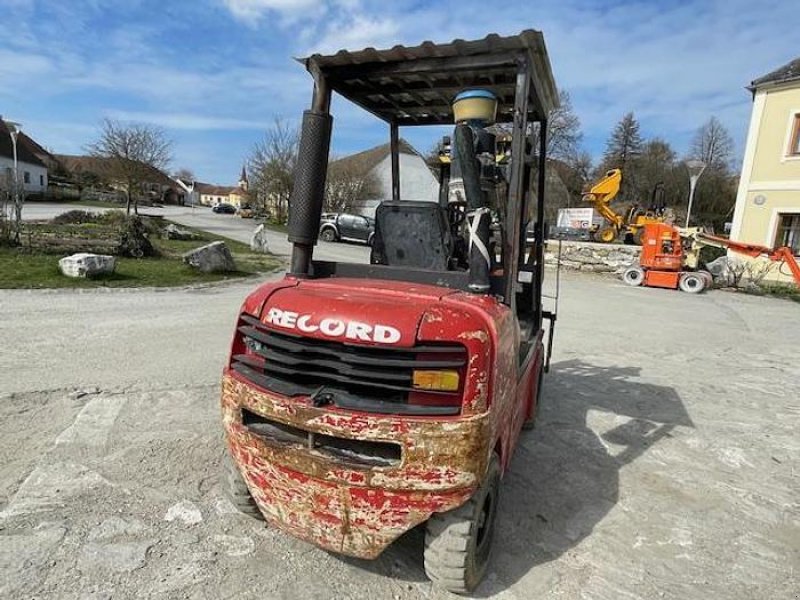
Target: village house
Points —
{"points": [[417, 182], [768, 201], [31, 166], [211, 195], [97, 172]]}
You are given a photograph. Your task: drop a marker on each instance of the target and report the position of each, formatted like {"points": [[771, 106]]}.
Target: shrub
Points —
{"points": [[76, 217], [133, 239], [112, 218]]}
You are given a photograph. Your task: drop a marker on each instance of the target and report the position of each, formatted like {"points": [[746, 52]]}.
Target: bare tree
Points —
{"points": [[346, 187], [713, 145], [715, 197], [131, 152], [564, 134], [564, 131], [657, 167], [270, 167], [184, 174]]}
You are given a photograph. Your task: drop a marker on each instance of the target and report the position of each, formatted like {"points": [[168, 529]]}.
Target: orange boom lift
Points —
{"points": [[669, 258]]}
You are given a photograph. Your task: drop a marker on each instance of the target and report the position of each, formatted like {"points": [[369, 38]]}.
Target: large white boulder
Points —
{"points": [[84, 264], [724, 270], [211, 258], [259, 241]]}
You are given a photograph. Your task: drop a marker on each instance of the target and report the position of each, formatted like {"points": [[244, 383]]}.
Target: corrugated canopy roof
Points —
{"points": [[416, 85]]}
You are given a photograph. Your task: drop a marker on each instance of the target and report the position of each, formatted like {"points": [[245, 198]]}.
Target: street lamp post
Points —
{"points": [[696, 168], [13, 131]]}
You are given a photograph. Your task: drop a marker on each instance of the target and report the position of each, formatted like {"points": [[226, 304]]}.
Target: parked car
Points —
{"points": [[246, 212], [223, 208], [354, 228]]}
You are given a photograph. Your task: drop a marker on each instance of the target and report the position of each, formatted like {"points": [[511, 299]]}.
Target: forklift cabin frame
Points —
{"points": [[406, 86]]}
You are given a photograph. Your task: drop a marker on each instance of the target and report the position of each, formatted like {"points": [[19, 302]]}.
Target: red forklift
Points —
{"points": [[362, 400]]}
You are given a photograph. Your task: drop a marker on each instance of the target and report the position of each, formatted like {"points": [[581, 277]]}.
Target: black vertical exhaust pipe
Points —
{"points": [[308, 192], [478, 215]]}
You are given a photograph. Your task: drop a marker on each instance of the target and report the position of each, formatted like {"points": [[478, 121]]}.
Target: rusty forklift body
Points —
{"points": [[360, 401]]}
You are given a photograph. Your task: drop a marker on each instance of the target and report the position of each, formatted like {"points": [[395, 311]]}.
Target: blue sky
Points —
{"points": [[215, 73]]}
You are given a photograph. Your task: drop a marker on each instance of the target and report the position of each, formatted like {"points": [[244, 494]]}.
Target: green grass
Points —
{"points": [[276, 227], [23, 268], [781, 290]]}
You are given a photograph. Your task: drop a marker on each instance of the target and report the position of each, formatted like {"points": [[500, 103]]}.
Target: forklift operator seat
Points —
{"points": [[411, 234]]}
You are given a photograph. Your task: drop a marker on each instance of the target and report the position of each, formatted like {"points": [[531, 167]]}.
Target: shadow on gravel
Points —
{"points": [[564, 477]]}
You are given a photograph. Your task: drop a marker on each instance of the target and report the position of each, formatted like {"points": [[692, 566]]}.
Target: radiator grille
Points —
{"points": [[376, 379]]}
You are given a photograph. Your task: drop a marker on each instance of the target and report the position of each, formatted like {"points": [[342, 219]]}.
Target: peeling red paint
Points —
{"points": [[358, 510], [355, 511]]}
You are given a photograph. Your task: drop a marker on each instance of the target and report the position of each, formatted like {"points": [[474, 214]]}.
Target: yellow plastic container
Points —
{"points": [[475, 105]]}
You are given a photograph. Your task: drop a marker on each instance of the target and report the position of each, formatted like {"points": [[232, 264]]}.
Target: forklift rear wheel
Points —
{"points": [[458, 543], [633, 276], [692, 283], [237, 490], [328, 235]]}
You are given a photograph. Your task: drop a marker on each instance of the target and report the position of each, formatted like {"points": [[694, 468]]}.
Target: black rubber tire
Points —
{"points": [[458, 543], [328, 235], [530, 423], [633, 276], [237, 491], [708, 277], [692, 283], [605, 235]]}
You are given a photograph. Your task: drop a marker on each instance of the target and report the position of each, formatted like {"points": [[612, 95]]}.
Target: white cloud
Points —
{"points": [[357, 31], [24, 65], [674, 64], [250, 11], [188, 121]]}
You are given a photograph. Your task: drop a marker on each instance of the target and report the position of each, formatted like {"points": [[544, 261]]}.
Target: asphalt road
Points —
{"points": [[230, 226], [664, 464]]}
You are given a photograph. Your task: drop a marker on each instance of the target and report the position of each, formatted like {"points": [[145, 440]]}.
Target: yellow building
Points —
{"points": [[768, 202], [211, 195]]}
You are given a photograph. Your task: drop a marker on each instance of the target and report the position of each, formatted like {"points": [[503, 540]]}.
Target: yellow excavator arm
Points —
{"points": [[602, 193]]}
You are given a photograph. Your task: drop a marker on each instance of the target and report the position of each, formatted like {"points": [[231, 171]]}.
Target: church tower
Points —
{"points": [[243, 179]]}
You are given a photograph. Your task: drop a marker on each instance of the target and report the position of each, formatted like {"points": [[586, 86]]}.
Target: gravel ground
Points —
{"points": [[665, 463]]}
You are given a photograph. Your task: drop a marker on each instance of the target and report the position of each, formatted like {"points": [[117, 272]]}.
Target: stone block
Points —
{"points": [[84, 264], [211, 258]]}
